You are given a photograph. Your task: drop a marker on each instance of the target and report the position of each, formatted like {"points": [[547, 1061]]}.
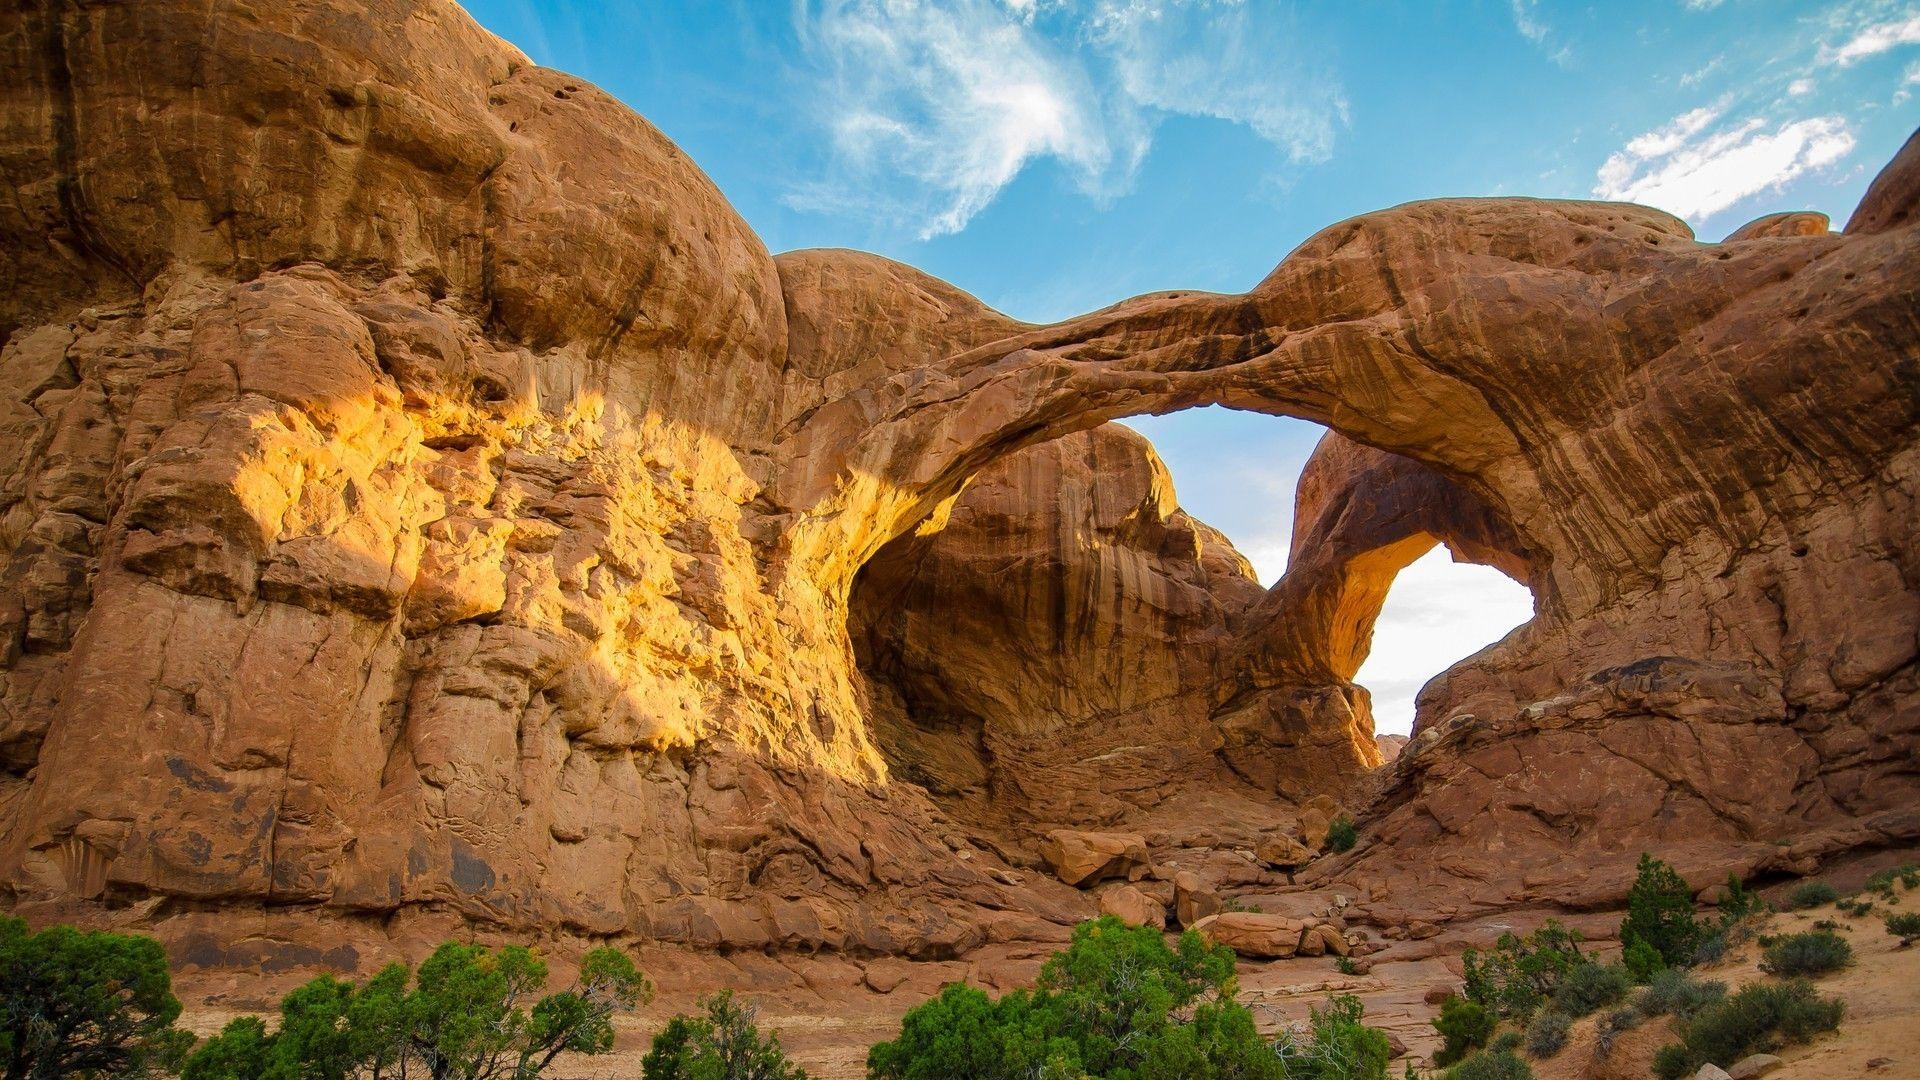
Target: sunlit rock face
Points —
{"points": [[421, 493]]}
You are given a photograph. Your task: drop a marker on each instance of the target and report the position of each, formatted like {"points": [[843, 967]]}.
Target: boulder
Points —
{"points": [[1336, 942], [1133, 907], [1282, 852], [1710, 1071], [1193, 898], [1253, 934], [1082, 858], [1748, 1067], [1316, 819]]}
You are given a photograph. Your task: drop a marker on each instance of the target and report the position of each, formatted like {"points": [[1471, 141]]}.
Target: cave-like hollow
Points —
{"points": [[1066, 646]]}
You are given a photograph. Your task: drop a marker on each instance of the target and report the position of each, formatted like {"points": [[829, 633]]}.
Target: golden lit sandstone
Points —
{"points": [[421, 494]]}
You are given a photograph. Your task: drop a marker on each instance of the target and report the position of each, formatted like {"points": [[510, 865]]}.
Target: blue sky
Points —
{"points": [[1053, 156]]}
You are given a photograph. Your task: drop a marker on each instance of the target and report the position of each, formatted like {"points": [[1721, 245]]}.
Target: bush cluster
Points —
{"points": [[1514, 978], [1814, 953], [1464, 1026], [1117, 1003], [1907, 874], [459, 1017], [1612, 1026], [1757, 1019], [1547, 1033], [1677, 993], [1335, 1046], [723, 1044], [1492, 1065], [1904, 925], [1590, 987], [1811, 894]]}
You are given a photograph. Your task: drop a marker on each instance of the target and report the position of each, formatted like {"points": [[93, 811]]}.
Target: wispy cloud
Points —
{"points": [[1697, 165], [1527, 20], [1874, 40], [1908, 80], [931, 108]]}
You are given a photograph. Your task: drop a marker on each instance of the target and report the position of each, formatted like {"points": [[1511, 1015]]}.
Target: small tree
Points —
{"points": [[1660, 914], [77, 1003], [1336, 1046], [1465, 1025], [725, 1044], [1117, 1002], [466, 1019], [1518, 974]]}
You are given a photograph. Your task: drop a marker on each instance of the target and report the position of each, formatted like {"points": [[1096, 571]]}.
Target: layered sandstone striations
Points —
{"points": [[421, 493]]}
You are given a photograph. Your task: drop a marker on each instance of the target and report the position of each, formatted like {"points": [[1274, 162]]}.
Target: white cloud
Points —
{"points": [[1526, 19], [1438, 612], [1874, 40], [1700, 74], [1702, 5], [933, 106], [1800, 88], [1908, 79], [1208, 59], [955, 98], [1695, 169]]}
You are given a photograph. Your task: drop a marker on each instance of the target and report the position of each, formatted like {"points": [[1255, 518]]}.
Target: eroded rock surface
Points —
{"points": [[423, 501]]}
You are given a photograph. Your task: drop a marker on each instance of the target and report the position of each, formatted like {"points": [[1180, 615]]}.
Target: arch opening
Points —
{"points": [[1073, 641]]}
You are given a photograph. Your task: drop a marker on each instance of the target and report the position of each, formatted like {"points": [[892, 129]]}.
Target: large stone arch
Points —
{"points": [[497, 497]]}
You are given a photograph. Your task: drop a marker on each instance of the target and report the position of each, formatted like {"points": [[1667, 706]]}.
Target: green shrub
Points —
{"points": [[1465, 1026], [1336, 1046], [1815, 952], [1757, 1019], [1345, 965], [1907, 874], [724, 1044], [1491, 1066], [1612, 1026], [1506, 1042], [1341, 835], [1589, 987], [1548, 1033], [1676, 993], [1811, 894], [1118, 1000], [1660, 916], [1643, 961], [80, 1003], [1674, 1062], [1904, 925], [1739, 902], [464, 1017], [1518, 975]]}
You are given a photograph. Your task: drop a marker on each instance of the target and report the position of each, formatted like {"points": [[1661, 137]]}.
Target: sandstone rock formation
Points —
{"points": [[423, 497], [1082, 858], [1256, 934]]}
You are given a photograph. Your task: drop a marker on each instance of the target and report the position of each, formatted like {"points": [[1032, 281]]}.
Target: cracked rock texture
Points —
{"points": [[423, 497]]}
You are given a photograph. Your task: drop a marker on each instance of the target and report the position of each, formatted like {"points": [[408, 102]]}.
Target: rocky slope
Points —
{"points": [[424, 502]]}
